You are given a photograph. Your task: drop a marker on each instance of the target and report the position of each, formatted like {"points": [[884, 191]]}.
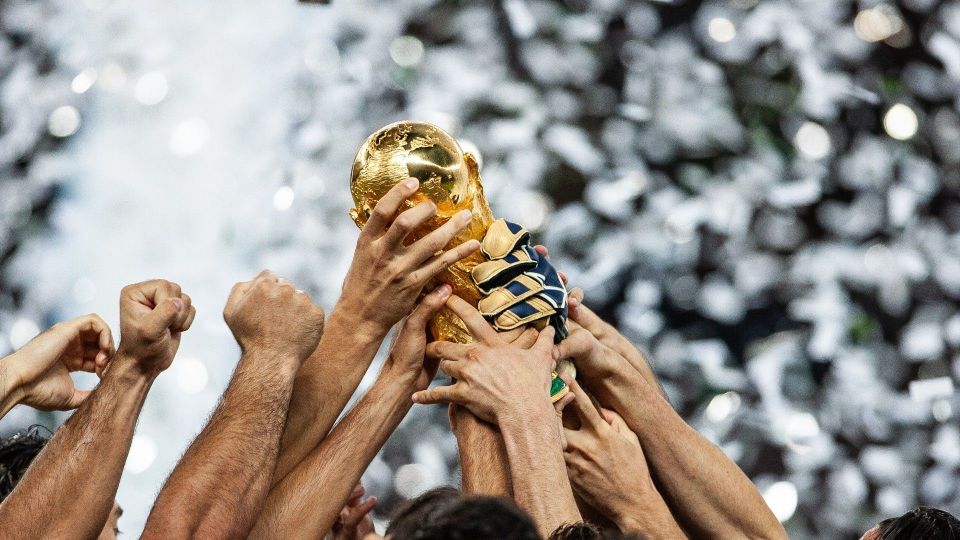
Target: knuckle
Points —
{"points": [[403, 223]]}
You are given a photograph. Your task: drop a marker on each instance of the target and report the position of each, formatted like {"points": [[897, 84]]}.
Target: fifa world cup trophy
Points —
{"points": [[511, 284]]}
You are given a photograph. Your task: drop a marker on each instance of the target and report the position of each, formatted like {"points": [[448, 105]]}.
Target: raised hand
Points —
{"points": [[269, 314], [39, 373], [153, 315], [354, 521], [495, 379], [607, 468], [387, 276], [406, 363]]}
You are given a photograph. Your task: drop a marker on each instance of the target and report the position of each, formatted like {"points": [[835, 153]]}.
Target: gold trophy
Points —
{"points": [[450, 178]]}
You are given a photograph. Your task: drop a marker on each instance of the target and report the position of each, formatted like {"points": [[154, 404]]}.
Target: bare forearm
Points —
{"points": [[306, 503], [483, 459], [325, 383], [540, 485], [707, 491], [644, 510], [70, 488], [219, 486]]}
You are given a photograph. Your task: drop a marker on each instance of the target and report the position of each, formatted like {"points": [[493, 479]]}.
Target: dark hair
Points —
{"points": [[445, 514], [923, 523], [577, 531], [588, 531], [17, 452], [420, 511]]}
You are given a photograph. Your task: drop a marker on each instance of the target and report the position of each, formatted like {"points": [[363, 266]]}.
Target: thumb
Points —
{"points": [[545, 341], [164, 315], [430, 306], [77, 399]]}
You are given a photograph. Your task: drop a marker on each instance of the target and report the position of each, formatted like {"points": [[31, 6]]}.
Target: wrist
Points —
{"points": [[352, 315], [539, 417], [11, 384], [265, 356], [129, 369]]}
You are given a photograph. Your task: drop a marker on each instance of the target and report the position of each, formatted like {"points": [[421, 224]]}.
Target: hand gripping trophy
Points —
{"points": [[510, 283]]}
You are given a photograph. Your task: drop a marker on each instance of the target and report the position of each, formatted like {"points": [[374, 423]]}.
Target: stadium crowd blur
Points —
{"points": [[764, 194]]}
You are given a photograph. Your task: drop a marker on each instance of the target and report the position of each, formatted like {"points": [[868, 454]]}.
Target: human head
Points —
{"points": [[18, 451], [445, 514], [922, 523], [587, 531]]}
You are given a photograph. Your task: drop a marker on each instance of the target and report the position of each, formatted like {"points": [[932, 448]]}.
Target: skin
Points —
{"points": [[381, 288], [519, 404], [38, 374], [484, 468], [68, 491], [706, 491], [354, 521], [307, 503], [111, 530], [608, 470], [218, 488]]}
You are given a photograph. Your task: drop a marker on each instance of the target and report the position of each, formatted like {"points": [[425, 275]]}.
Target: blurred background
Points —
{"points": [[763, 194]]}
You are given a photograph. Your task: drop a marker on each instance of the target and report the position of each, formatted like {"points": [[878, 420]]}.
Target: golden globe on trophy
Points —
{"points": [[510, 283]]}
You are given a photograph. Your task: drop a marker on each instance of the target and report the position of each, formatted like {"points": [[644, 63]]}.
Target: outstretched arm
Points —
{"points": [[384, 281], [218, 488], [307, 502], [69, 490], [710, 495], [607, 467], [509, 385], [484, 468]]}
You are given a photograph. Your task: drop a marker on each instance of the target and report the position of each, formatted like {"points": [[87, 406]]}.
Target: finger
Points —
{"points": [[576, 439], [476, 324], [443, 261], [357, 513], [189, 322], [542, 250], [424, 248], [386, 208], [579, 345], [165, 290], [447, 350], [185, 312], [567, 399], [544, 342], [164, 315], [431, 304], [237, 292], [575, 297], [527, 338], [77, 399], [439, 394], [407, 222], [453, 368], [355, 495], [591, 321], [585, 408]]}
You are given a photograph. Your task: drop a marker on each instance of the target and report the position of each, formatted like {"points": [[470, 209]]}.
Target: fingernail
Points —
{"points": [[474, 244], [412, 183], [177, 303], [444, 291], [464, 216]]}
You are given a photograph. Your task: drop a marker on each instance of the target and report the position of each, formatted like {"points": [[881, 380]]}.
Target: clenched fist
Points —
{"points": [[269, 314], [153, 314]]}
